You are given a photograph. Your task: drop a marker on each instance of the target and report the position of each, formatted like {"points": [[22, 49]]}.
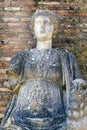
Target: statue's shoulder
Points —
{"points": [[17, 61], [21, 54], [61, 51], [64, 52]]}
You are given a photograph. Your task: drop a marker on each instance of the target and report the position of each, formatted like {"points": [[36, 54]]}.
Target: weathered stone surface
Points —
{"points": [[65, 9], [37, 79]]}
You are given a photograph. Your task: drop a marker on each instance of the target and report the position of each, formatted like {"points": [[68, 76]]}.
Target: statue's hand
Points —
{"points": [[78, 99], [12, 79], [11, 82], [10, 125], [79, 84], [77, 112]]}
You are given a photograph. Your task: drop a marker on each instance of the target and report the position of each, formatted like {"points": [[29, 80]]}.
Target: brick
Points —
{"points": [[17, 50], [21, 14], [0, 96], [85, 24], [2, 109], [4, 3], [50, 3], [84, 8], [3, 71], [81, 14], [3, 77], [4, 64], [25, 9], [21, 47], [12, 8], [6, 97], [23, 36], [5, 90], [25, 19], [72, 31], [57, 8], [1, 115], [6, 47], [3, 103], [9, 53], [1, 8], [17, 40], [71, 14], [9, 48], [20, 30], [29, 9], [5, 58], [9, 14], [22, 3], [84, 30], [11, 19], [1, 13], [1, 65], [2, 24], [7, 35], [17, 24]]}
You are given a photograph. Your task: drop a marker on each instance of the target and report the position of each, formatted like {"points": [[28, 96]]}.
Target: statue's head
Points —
{"points": [[44, 24]]}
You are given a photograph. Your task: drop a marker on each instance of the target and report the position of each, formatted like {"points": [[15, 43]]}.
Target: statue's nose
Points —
{"points": [[42, 24]]}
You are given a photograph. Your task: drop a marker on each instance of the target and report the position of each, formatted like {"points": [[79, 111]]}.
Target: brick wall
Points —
{"points": [[15, 34]]}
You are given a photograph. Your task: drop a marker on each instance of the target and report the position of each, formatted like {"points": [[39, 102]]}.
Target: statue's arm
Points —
{"points": [[77, 111], [78, 81], [15, 69]]}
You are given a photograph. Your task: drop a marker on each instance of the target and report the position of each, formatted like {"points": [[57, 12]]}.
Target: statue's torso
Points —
{"points": [[40, 98], [40, 94], [40, 104]]}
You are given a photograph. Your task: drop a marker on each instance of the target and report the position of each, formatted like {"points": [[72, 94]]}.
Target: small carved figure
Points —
{"points": [[44, 80]]}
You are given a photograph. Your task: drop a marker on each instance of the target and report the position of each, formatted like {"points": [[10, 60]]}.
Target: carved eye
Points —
{"points": [[47, 22], [38, 22]]}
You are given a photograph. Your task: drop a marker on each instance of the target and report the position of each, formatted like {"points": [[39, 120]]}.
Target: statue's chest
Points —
{"points": [[44, 64]]}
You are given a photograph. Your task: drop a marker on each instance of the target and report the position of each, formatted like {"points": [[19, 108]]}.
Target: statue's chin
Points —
{"points": [[42, 39]]}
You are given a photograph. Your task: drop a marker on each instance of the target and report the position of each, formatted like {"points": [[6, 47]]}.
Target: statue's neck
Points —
{"points": [[44, 44]]}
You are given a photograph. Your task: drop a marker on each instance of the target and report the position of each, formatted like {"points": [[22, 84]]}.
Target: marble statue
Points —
{"points": [[46, 83]]}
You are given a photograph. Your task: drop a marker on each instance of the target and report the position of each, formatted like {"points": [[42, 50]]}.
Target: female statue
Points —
{"points": [[41, 74]]}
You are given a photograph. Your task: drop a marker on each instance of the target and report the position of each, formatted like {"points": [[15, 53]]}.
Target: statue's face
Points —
{"points": [[43, 28]]}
